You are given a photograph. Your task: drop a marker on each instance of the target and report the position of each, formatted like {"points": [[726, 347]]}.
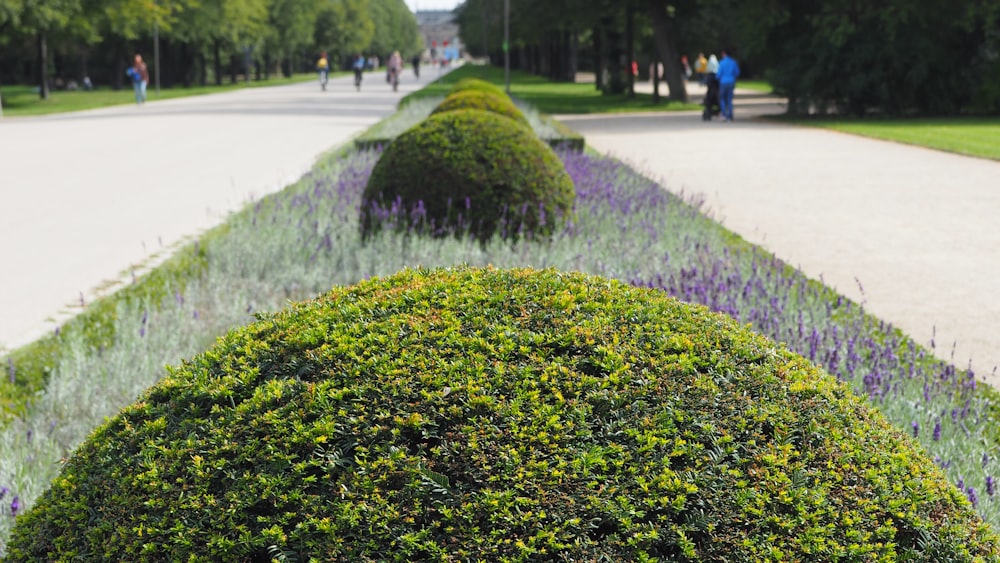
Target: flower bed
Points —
{"points": [[305, 240]]}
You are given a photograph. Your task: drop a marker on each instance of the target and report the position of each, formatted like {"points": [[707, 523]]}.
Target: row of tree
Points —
{"points": [[199, 40], [857, 56]]}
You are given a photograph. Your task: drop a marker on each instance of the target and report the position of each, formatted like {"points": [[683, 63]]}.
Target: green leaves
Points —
{"points": [[480, 414]]}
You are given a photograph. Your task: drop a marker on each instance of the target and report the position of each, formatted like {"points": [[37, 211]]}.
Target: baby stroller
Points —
{"points": [[711, 101]]}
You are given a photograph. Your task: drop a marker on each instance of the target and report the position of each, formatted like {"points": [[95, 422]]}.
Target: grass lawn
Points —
{"points": [[755, 85], [24, 100], [551, 97], [973, 136]]}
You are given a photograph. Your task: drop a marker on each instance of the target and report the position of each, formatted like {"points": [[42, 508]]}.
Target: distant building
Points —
{"points": [[440, 31]]}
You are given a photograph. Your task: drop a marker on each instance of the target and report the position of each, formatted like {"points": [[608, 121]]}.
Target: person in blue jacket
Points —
{"points": [[728, 72]]}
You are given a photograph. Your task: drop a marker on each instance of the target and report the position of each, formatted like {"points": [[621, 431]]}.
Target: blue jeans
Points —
{"points": [[140, 91], [726, 100]]}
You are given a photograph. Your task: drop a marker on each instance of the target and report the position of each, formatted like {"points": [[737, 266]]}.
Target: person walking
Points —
{"points": [[140, 78], [701, 67], [729, 71], [416, 65], [711, 101], [323, 69]]}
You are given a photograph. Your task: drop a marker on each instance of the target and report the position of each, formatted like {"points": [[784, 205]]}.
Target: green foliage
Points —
{"points": [[478, 84], [546, 95], [502, 416], [482, 100], [395, 28], [344, 27], [468, 171], [896, 57]]}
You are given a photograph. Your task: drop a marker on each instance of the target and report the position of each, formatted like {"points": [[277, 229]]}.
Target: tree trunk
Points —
{"points": [[43, 66], [82, 69], [616, 58], [599, 61], [656, 79], [217, 62], [573, 61], [663, 36], [202, 69], [119, 66], [630, 45], [234, 68]]}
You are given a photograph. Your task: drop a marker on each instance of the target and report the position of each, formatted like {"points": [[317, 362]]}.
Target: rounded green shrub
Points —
{"points": [[512, 415], [486, 101], [467, 84], [468, 171]]}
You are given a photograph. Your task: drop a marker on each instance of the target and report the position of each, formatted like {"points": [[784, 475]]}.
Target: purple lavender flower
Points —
{"points": [[15, 506], [937, 430], [973, 498], [916, 428], [3, 492], [991, 486]]}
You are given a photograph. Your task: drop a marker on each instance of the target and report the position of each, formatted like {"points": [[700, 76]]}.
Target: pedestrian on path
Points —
{"points": [[729, 71], [140, 78], [701, 67]]}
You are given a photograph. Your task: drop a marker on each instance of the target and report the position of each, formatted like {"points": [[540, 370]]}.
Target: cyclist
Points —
{"points": [[395, 68], [323, 68], [359, 69]]}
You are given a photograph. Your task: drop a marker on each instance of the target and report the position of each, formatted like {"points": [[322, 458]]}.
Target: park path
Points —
{"points": [[88, 196], [912, 233]]}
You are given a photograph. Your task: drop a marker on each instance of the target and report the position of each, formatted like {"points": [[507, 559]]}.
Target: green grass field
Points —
{"points": [[973, 136], [24, 100], [762, 86], [552, 97]]}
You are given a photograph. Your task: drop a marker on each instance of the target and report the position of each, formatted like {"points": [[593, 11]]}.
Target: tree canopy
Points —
{"points": [[69, 39], [893, 57]]}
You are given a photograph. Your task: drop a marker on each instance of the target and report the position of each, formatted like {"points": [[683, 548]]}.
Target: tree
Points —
{"points": [[894, 57], [39, 20], [10, 12], [291, 25], [395, 28], [344, 27], [665, 38]]}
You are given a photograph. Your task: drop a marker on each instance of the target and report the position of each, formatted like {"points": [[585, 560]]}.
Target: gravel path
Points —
{"points": [[912, 233], [88, 196]]}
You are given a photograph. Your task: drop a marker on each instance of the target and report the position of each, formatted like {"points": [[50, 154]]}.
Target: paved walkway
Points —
{"points": [[918, 229], [89, 195]]}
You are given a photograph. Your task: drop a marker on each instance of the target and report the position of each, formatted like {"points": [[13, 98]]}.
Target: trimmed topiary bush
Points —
{"points": [[468, 171], [479, 99], [463, 415], [467, 84]]}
